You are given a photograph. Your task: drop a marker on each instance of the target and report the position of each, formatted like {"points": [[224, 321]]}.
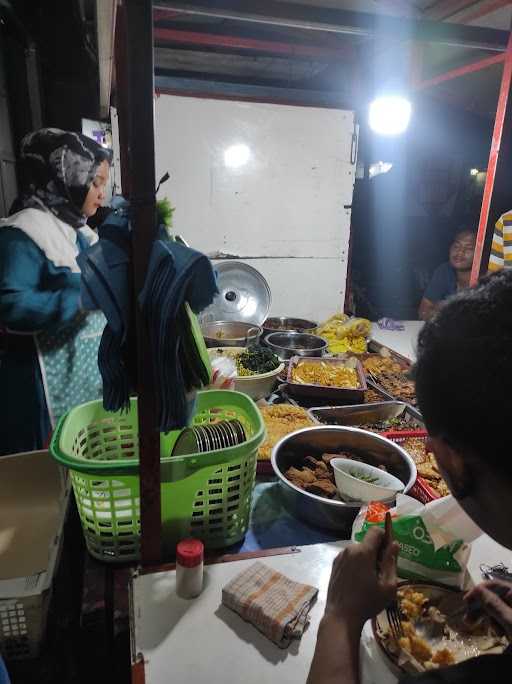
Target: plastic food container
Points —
{"points": [[342, 395]]}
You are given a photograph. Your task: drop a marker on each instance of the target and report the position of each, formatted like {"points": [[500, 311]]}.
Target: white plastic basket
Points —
{"points": [[25, 599]]}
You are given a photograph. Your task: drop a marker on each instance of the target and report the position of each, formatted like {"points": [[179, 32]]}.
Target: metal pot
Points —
{"points": [[230, 334], [288, 344], [282, 324], [334, 514]]}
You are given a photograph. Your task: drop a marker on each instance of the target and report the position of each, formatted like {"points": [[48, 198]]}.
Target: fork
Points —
{"points": [[394, 621]]}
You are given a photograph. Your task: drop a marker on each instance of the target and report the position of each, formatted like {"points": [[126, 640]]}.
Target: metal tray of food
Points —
{"points": [[399, 368], [345, 395], [368, 416], [375, 347], [390, 397]]}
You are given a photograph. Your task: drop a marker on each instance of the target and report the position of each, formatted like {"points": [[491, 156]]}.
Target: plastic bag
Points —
{"points": [[225, 366], [434, 538]]}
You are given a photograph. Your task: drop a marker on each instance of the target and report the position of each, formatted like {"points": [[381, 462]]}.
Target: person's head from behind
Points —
{"points": [[462, 382], [462, 250], [65, 172]]}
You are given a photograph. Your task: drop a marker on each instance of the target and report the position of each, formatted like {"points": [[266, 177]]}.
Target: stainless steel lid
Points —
{"points": [[244, 295]]}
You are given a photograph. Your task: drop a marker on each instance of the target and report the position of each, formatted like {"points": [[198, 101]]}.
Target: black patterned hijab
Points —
{"points": [[57, 169]]}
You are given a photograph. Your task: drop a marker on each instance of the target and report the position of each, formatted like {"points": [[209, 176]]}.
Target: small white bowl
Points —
{"points": [[352, 488]]}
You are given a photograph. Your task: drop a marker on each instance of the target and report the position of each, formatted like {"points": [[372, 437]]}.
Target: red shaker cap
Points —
{"points": [[189, 553]]}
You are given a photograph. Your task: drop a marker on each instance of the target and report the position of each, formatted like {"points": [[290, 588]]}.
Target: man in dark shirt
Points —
{"points": [[463, 361], [451, 276]]}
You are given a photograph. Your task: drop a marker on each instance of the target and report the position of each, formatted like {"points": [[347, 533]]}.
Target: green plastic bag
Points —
{"points": [[434, 539]]}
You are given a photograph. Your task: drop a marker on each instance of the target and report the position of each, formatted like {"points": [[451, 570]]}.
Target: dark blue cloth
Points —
{"points": [[442, 284], [4, 677], [176, 274], [34, 295]]}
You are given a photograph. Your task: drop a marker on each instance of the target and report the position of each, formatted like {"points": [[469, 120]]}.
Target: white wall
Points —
{"points": [[283, 211]]}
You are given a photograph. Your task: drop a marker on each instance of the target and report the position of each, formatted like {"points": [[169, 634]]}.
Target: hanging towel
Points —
{"points": [[180, 283]]}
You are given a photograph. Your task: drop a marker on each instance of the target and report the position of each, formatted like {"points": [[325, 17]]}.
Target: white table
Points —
{"points": [[401, 341], [201, 641]]}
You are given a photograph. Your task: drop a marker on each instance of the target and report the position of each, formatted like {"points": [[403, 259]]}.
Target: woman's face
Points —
{"points": [[96, 195]]}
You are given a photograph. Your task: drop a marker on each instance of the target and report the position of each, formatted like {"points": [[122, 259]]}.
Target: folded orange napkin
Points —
{"points": [[273, 603]]}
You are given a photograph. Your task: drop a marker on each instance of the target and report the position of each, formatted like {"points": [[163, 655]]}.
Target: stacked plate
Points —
{"points": [[209, 437]]}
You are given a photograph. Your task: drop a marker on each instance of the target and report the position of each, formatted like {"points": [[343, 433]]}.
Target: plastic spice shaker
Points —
{"points": [[189, 568]]}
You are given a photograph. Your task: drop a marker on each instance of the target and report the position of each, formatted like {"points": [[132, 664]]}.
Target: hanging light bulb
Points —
{"points": [[389, 114]]}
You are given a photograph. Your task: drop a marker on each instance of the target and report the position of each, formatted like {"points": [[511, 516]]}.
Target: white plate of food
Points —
{"points": [[436, 631]]}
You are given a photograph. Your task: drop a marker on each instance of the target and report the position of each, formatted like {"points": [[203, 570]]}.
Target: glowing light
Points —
{"points": [[474, 172], [236, 156], [379, 167], [389, 115]]}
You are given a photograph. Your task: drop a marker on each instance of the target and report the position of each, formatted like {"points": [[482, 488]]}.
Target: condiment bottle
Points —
{"points": [[189, 568]]}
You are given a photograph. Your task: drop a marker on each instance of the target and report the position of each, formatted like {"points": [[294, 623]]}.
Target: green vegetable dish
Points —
{"points": [[256, 361], [359, 475]]}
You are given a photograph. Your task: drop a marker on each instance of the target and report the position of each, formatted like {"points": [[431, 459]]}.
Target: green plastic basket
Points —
{"points": [[207, 495]]}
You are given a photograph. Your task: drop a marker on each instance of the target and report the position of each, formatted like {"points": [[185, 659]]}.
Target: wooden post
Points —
{"points": [[139, 16]]}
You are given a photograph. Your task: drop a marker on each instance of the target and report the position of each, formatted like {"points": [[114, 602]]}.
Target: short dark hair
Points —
{"points": [[464, 231], [463, 370]]}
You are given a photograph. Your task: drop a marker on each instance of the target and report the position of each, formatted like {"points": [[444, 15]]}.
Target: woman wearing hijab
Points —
{"points": [[48, 359]]}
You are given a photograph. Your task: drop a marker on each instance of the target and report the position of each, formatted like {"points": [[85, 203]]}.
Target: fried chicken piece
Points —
{"points": [[441, 488], [425, 470], [312, 462], [323, 472], [443, 657], [327, 458], [305, 475], [324, 475], [322, 488]]}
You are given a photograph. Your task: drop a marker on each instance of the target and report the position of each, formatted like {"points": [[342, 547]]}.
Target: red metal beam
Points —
{"points": [[461, 71], [212, 40], [501, 110]]}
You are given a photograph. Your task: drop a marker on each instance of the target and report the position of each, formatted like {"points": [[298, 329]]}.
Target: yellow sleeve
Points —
{"points": [[496, 259]]}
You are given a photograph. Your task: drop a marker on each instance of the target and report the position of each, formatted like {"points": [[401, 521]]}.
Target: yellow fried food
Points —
{"points": [[411, 602], [443, 657], [345, 334], [280, 420], [327, 374], [420, 648], [376, 364], [353, 345]]}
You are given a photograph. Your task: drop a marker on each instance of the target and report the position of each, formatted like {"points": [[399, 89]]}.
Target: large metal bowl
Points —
{"points": [[230, 334], [315, 441], [288, 344], [283, 324]]}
